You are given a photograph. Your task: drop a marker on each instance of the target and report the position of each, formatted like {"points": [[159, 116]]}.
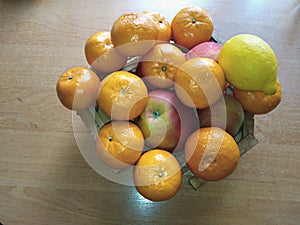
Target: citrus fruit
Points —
{"points": [[77, 88], [249, 63], [199, 82], [211, 153], [122, 95], [258, 102], [191, 26], [101, 55], [134, 33], [157, 175], [160, 64], [119, 144], [164, 27]]}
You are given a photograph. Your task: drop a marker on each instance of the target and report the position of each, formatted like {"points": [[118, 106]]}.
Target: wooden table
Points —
{"points": [[45, 180]]}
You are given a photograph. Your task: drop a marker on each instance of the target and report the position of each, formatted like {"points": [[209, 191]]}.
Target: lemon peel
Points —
{"points": [[249, 63]]}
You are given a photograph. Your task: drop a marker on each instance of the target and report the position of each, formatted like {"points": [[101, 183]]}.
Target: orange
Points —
{"points": [[257, 102], [77, 88], [120, 144], [164, 27], [192, 26], [211, 153], [122, 95], [157, 175], [134, 33], [199, 82], [160, 65], [101, 54]]}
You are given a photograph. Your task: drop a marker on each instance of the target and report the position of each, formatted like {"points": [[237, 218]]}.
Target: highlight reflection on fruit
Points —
{"points": [[162, 63], [160, 122], [122, 95], [101, 54], [167, 98], [119, 144], [134, 33], [191, 26], [249, 63], [211, 153], [157, 175], [207, 49], [257, 102], [77, 88], [199, 82]]}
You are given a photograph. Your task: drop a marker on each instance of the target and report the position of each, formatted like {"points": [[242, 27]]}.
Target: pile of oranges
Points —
{"points": [[211, 153]]}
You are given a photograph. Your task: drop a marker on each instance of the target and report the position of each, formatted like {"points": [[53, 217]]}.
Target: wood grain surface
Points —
{"points": [[44, 178]]}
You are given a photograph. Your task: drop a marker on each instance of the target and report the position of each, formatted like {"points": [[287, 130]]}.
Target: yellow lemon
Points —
{"points": [[249, 64]]}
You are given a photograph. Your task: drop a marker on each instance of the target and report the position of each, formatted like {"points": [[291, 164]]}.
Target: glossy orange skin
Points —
{"points": [[200, 82], [192, 26], [211, 153], [157, 175], [120, 144], [164, 27], [97, 44], [134, 33], [160, 65], [101, 54], [77, 88], [258, 102], [122, 95]]}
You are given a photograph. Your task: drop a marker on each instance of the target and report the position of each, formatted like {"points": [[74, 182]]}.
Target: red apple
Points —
{"points": [[206, 50], [166, 122]]}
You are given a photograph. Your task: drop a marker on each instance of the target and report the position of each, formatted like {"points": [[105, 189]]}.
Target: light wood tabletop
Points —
{"points": [[44, 178]]}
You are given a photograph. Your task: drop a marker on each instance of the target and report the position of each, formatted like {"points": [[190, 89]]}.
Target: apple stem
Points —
{"points": [[156, 114]]}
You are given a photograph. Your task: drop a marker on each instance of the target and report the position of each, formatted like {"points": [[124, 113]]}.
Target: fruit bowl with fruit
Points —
{"points": [[166, 104]]}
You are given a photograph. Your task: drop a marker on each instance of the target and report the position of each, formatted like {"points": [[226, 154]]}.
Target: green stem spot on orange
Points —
{"points": [[110, 139], [70, 77], [194, 21], [160, 174], [164, 68]]}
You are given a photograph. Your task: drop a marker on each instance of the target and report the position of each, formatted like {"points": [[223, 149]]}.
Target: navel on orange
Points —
{"points": [[122, 95], [120, 144], [157, 175]]}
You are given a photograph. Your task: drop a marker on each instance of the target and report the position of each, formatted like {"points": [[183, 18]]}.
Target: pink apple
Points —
{"points": [[166, 122], [206, 49]]}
